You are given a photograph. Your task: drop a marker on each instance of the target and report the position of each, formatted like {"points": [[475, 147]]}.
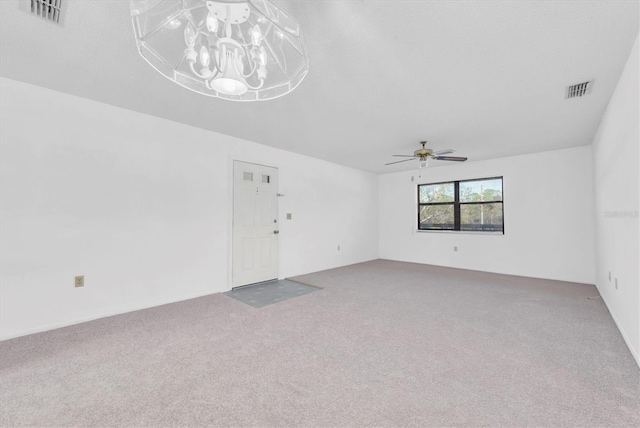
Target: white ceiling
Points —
{"points": [[486, 78]]}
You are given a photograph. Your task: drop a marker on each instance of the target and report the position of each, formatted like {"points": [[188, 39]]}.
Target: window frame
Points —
{"points": [[457, 204]]}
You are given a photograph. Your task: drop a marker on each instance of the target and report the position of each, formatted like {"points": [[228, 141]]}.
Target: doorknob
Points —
{"points": [[275, 232]]}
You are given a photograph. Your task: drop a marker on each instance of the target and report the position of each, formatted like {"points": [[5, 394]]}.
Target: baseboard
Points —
{"points": [[497, 272], [624, 335], [106, 314]]}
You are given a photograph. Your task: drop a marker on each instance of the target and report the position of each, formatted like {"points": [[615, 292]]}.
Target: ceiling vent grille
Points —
{"points": [[47, 9], [580, 89]]}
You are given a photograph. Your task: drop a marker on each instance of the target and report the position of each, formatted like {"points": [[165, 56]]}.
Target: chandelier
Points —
{"points": [[242, 50]]}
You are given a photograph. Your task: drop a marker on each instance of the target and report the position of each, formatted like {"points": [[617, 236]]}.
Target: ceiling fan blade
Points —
{"points": [[391, 163], [450, 158], [404, 156], [443, 152]]}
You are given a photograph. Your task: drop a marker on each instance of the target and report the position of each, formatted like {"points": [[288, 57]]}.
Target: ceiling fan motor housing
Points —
{"points": [[422, 153]]}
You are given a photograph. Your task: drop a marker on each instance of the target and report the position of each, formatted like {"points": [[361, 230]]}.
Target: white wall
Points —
{"points": [[548, 218], [142, 207], [616, 162]]}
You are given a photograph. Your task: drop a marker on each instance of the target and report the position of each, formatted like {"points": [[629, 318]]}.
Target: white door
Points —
{"points": [[255, 223]]}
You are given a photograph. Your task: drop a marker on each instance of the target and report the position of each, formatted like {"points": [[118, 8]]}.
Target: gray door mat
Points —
{"points": [[270, 292]]}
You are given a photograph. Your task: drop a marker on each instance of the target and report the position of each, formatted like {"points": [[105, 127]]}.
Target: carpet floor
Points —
{"points": [[381, 344]]}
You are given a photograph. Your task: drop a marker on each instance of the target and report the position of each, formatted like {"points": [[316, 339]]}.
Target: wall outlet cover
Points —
{"points": [[79, 282]]}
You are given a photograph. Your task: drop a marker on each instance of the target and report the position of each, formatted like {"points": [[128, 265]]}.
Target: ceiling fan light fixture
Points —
{"points": [[241, 50]]}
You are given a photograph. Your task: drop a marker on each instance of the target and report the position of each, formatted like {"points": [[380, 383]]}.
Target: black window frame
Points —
{"points": [[457, 204]]}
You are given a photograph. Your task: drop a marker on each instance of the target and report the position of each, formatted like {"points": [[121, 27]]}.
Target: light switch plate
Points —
{"points": [[288, 216]]}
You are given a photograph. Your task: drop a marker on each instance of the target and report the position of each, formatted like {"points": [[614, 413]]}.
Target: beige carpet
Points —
{"points": [[382, 344]]}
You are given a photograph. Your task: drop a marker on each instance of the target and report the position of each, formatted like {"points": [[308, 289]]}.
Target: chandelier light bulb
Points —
{"points": [[256, 35], [212, 23], [189, 36], [205, 58], [240, 50]]}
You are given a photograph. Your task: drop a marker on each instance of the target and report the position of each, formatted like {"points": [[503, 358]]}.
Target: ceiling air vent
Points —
{"points": [[47, 9], [579, 90]]}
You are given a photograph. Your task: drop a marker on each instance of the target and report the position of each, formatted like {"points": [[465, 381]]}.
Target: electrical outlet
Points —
{"points": [[616, 283], [79, 281], [338, 247], [455, 248], [288, 216]]}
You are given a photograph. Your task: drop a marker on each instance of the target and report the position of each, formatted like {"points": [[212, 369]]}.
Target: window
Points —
{"points": [[466, 205]]}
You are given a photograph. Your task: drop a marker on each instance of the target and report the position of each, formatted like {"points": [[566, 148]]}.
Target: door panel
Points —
{"points": [[255, 216]]}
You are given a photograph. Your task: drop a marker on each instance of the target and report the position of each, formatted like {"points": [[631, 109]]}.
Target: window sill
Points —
{"points": [[461, 232]]}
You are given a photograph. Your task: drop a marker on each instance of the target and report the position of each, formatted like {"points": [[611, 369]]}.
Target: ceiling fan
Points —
{"points": [[423, 154]]}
